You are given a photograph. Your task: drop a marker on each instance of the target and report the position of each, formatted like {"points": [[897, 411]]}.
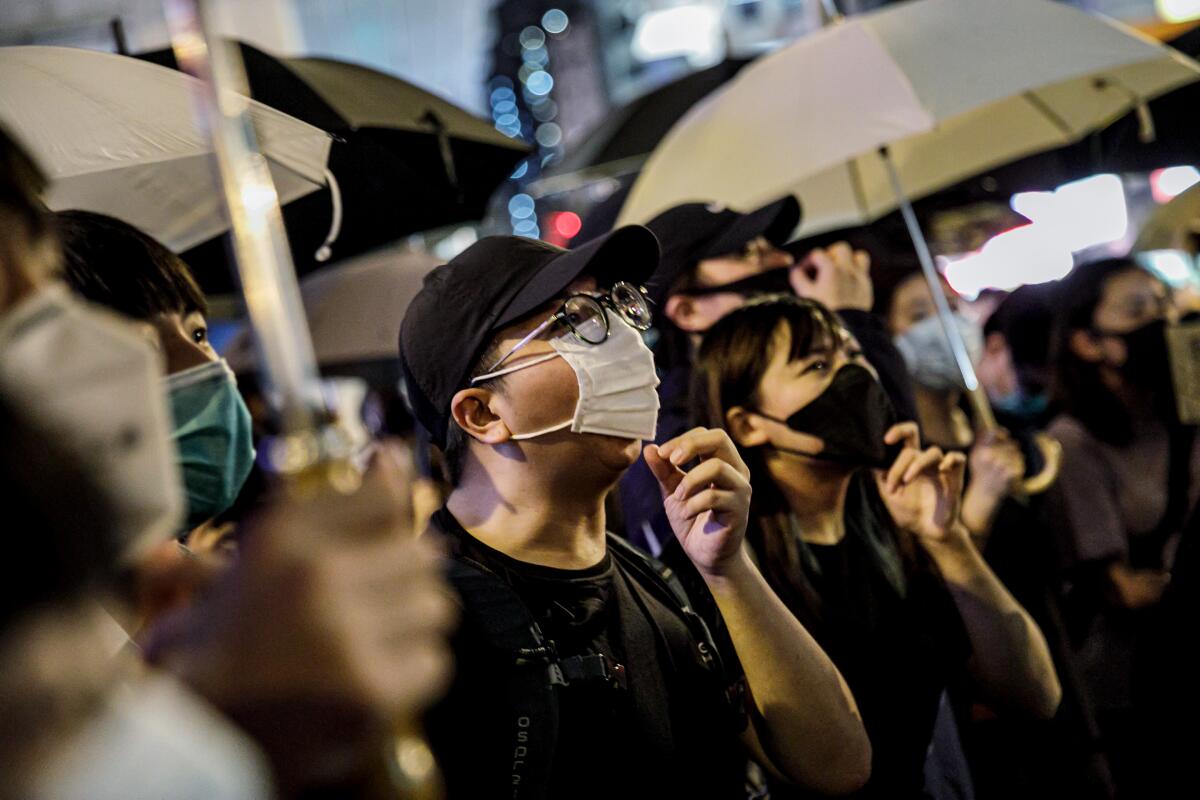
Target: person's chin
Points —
{"points": [[616, 452]]}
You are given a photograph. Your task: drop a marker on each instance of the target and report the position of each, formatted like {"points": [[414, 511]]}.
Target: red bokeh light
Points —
{"points": [[567, 224]]}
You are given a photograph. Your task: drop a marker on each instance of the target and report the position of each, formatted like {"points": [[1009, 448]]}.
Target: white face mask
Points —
{"points": [[928, 356], [616, 380], [88, 376]]}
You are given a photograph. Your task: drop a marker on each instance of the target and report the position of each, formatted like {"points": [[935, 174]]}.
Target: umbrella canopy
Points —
{"points": [[353, 308], [998, 80], [1175, 226], [405, 159], [622, 142], [119, 136]]}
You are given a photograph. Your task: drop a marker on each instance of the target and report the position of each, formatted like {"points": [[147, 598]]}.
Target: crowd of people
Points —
{"points": [[716, 518]]}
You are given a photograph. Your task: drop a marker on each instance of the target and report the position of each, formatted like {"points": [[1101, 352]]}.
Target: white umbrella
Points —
{"points": [[120, 136], [999, 79], [353, 308]]}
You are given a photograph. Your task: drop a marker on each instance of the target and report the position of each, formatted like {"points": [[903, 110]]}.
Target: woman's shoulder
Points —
{"points": [[1072, 434]]}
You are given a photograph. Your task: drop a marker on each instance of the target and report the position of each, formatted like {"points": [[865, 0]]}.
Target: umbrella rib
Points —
{"points": [[1057, 121], [856, 186]]}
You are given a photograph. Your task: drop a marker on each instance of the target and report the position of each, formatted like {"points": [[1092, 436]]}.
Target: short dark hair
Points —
{"points": [[22, 182], [454, 454], [112, 263]]}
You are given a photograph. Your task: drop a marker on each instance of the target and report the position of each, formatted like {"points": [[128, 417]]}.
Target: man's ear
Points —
{"points": [[472, 410], [745, 427], [681, 309]]}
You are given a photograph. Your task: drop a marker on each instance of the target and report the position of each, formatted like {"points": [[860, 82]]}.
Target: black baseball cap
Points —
{"points": [[490, 285], [692, 232]]}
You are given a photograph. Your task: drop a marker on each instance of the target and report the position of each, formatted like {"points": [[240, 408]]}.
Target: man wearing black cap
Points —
{"points": [[582, 670]]}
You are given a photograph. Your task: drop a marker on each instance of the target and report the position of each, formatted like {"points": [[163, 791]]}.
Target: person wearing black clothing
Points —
{"points": [[583, 669], [714, 260], [859, 531]]}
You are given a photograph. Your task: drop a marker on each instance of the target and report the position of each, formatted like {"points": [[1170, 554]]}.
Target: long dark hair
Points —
{"points": [[1076, 386], [730, 365]]}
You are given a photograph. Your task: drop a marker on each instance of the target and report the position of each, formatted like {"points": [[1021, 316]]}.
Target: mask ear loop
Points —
{"points": [[533, 362]]}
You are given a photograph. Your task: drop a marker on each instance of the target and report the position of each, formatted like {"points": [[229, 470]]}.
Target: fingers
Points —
{"points": [[896, 472], [667, 474], [926, 461], [842, 255], [715, 500], [862, 260], [903, 432], [703, 443], [711, 473], [952, 473]]}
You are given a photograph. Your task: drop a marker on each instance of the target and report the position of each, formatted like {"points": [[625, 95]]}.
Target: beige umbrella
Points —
{"points": [[353, 308], [1175, 226]]}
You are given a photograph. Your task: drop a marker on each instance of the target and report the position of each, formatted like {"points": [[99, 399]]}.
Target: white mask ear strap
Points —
{"points": [[533, 362], [522, 436]]}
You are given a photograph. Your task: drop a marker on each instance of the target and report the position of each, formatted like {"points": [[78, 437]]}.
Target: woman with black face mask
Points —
{"points": [[1130, 478], [859, 531]]}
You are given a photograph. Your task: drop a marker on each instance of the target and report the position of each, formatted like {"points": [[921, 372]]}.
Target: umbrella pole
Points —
{"points": [[832, 12], [313, 450], [984, 418]]}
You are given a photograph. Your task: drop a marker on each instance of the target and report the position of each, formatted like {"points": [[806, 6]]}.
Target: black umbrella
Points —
{"points": [[405, 160], [625, 138]]}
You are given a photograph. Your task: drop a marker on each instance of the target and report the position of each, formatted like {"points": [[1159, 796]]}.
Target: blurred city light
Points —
{"points": [[1080, 214], [548, 135], [567, 224], [555, 21], [532, 38], [1176, 267], [1029, 254], [692, 31], [1074, 217], [520, 206], [1178, 10], [1167, 184], [539, 83]]}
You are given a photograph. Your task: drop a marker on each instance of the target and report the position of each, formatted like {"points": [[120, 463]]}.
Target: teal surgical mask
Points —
{"points": [[212, 435]]}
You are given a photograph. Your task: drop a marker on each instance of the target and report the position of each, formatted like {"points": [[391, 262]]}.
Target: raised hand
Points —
{"points": [[709, 505], [923, 487]]}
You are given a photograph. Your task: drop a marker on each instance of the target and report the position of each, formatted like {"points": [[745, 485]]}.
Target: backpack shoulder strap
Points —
{"points": [[660, 579], [527, 665]]}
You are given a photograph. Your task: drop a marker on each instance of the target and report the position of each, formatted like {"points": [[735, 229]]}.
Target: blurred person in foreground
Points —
{"points": [[1130, 481], [329, 627], [857, 528], [583, 670]]}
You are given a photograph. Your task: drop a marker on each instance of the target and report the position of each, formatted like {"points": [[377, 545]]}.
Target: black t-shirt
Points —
{"points": [[898, 643], [665, 728]]}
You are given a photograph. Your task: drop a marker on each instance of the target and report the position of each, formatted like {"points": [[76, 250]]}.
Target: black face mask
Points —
{"points": [[850, 417], [1147, 362], [773, 281]]}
